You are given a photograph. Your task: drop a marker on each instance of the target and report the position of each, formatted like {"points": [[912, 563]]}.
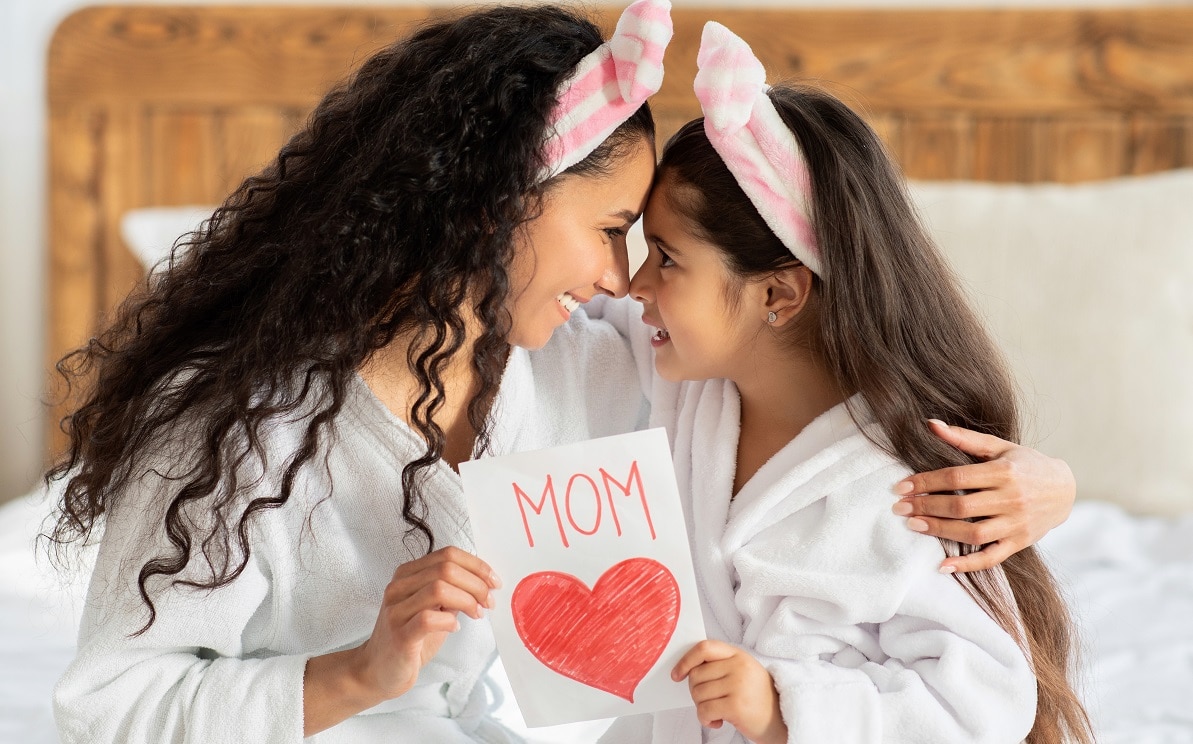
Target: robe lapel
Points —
{"points": [[706, 439]]}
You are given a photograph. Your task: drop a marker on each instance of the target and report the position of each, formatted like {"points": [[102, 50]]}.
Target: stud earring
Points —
{"points": [[772, 316]]}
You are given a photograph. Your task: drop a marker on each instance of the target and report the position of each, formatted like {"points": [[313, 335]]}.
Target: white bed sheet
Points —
{"points": [[1130, 582]]}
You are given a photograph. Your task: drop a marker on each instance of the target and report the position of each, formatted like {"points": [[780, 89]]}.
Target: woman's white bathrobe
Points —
{"points": [[809, 570], [227, 665]]}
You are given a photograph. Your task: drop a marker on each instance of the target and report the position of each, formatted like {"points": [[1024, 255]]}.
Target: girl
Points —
{"points": [[817, 329]]}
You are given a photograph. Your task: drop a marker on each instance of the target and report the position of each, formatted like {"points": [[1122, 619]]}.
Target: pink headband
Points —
{"points": [[746, 131], [609, 85]]}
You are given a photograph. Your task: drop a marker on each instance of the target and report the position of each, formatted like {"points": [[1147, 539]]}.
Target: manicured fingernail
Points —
{"points": [[902, 488], [902, 508], [918, 525], [938, 422], [489, 601], [480, 612], [494, 580], [948, 569], [457, 626]]}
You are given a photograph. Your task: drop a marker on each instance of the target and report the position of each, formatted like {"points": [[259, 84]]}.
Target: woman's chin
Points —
{"points": [[531, 339]]}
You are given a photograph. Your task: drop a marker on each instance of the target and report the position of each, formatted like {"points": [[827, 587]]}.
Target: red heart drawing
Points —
{"points": [[608, 637]]}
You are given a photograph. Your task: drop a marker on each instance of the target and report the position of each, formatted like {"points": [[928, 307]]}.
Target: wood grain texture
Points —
{"points": [[1029, 61], [123, 144], [76, 262], [218, 56], [159, 105]]}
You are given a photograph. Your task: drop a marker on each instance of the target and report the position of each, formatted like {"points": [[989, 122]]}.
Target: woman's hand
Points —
{"points": [[1017, 495], [417, 613], [729, 685]]}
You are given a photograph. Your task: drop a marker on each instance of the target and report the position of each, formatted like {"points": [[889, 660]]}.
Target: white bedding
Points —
{"points": [[1130, 580], [1130, 583]]}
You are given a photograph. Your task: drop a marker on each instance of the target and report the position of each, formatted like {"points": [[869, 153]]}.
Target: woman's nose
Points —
{"points": [[615, 282]]}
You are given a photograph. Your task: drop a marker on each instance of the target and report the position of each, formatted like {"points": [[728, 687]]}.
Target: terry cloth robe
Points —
{"points": [[808, 570], [227, 665]]}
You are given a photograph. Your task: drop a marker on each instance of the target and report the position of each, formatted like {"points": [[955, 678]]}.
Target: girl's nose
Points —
{"points": [[642, 285]]}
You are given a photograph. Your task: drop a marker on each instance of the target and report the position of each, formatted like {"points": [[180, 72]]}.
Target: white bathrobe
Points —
{"points": [[809, 570], [227, 665]]}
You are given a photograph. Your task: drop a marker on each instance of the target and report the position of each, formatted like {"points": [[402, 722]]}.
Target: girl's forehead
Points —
{"points": [[671, 201]]}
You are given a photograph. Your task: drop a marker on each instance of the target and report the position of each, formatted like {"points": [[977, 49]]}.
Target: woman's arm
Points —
{"points": [[193, 677], [417, 614], [1014, 498], [188, 677]]}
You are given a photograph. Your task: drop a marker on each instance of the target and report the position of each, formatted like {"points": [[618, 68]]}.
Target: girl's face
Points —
{"points": [[685, 288], [576, 248]]}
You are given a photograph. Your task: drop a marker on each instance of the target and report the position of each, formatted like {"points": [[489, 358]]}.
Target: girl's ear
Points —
{"points": [[786, 293]]}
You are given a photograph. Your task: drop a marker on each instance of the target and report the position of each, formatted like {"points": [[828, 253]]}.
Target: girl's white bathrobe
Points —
{"points": [[809, 570], [227, 665]]}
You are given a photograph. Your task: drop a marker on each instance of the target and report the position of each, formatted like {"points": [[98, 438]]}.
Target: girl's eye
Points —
{"points": [[664, 259]]}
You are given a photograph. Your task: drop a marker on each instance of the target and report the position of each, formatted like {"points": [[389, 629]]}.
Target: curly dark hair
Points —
{"points": [[393, 211]]}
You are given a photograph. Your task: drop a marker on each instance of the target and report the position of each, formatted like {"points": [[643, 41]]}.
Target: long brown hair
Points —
{"points": [[394, 207], [890, 322]]}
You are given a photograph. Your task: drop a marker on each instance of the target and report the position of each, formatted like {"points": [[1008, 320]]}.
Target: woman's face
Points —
{"points": [[576, 248], [685, 286]]}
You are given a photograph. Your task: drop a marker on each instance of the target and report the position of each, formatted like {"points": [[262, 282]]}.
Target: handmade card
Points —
{"points": [[599, 600]]}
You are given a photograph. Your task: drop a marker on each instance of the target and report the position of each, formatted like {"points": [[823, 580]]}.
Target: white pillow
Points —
{"points": [[1089, 290], [150, 233]]}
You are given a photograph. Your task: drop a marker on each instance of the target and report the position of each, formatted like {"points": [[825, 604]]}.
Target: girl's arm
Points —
{"points": [[1013, 499], [866, 642], [728, 685]]}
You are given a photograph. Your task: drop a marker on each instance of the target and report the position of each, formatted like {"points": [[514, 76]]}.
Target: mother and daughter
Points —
{"points": [[269, 438]]}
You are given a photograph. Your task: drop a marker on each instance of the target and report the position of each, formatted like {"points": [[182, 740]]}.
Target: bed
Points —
{"points": [[1050, 151]]}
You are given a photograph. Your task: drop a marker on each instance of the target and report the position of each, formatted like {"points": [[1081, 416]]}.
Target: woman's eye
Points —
{"points": [[615, 232]]}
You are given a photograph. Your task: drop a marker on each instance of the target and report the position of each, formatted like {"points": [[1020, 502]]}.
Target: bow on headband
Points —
{"points": [[609, 84], [747, 132]]}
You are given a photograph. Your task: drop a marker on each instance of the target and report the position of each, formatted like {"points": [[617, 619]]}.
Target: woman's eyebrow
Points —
{"points": [[627, 215]]}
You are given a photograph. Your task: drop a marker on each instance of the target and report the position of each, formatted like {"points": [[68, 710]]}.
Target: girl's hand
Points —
{"points": [[418, 611], [1018, 495], [729, 685]]}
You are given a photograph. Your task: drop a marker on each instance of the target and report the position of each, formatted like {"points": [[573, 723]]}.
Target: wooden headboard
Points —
{"points": [[156, 106]]}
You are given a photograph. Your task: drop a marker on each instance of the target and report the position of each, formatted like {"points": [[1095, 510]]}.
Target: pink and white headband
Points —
{"points": [[747, 132], [609, 84]]}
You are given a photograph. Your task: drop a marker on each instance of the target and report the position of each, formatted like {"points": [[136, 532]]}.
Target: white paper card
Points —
{"points": [[598, 601]]}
